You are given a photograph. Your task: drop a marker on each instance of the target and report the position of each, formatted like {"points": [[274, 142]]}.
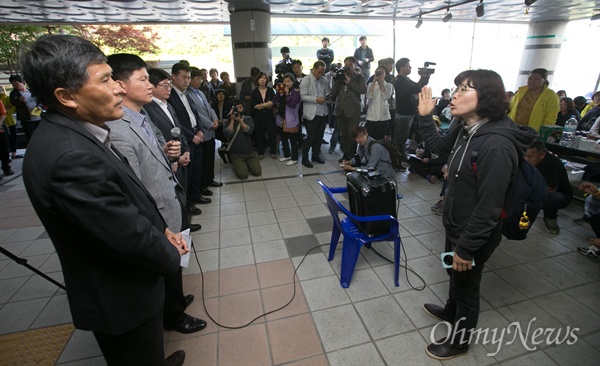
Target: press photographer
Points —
{"points": [[346, 92]]}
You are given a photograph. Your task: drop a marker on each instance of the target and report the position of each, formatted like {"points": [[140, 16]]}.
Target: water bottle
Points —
{"points": [[569, 132]]}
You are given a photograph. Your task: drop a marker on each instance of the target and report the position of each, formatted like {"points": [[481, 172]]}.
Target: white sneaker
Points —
{"points": [[284, 159], [591, 251], [291, 162]]}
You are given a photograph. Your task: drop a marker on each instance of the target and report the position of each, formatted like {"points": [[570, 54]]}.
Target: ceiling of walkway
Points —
{"points": [[217, 11]]}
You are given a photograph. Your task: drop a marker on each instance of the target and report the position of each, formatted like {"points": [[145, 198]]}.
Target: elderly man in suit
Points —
{"points": [[313, 91], [148, 155], [346, 93], [163, 116], [114, 246]]}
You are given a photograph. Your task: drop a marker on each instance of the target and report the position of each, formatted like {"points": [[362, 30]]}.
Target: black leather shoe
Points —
{"points": [[203, 201], [206, 192], [444, 350], [188, 325], [307, 163], [215, 184], [318, 160], [8, 172], [325, 142], [189, 299], [193, 210], [195, 227], [176, 359], [437, 312]]}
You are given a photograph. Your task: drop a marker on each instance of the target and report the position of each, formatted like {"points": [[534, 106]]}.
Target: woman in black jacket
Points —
{"points": [[264, 119], [476, 192]]}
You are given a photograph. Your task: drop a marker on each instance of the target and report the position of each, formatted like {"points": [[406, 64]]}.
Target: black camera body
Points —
{"points": [[234, 111], [339, 73], [426, 70]]}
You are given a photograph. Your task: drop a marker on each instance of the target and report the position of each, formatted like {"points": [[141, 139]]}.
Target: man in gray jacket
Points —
{"points": [[346, 93], [313, 91]]}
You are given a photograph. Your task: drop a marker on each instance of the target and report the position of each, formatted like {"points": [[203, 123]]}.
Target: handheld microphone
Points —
{"points": [[175, 133]]}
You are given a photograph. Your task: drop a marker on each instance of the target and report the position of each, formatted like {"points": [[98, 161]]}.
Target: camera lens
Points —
{"points": [[448, 259]]}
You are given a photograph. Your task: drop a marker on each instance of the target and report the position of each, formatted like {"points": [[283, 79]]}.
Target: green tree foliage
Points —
{"points": [[11, 39]]}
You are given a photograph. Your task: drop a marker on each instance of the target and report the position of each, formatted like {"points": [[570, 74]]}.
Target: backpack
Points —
{"points": [[525, 200], [392, 149]]}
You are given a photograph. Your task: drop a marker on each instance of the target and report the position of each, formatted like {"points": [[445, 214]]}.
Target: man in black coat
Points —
{"points": [[110, 237]]}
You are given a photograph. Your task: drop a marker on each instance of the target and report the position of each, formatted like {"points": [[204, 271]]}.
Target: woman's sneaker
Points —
{"points": [[590, 251]]}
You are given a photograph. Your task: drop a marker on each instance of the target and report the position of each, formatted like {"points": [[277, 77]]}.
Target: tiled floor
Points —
{"points": [[255, 233]]}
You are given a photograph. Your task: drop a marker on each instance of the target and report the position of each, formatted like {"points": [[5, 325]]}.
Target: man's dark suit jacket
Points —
{"points": [[182, 115], [105, 226], [161, 120]]}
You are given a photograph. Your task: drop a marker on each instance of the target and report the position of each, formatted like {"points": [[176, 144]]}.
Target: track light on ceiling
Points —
{"points": [[419, 22], [479, 9], [529, 2], [448, 16]]}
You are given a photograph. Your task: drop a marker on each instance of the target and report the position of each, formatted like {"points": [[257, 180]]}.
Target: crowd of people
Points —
{"points": [[136, 146]]}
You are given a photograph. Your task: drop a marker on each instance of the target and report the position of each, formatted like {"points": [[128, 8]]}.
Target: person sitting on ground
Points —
{"points": [[371, 154], [591, 214], [559, 189], [428, 165], [590, 112], [244, 159], [567, 110]]}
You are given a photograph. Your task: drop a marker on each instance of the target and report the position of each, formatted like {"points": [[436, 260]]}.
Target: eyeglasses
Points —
{"points": [[460, 90], [167, 86]]}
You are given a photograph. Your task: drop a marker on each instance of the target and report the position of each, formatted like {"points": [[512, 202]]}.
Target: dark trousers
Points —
{"points": [[594, 221], [12, 138], [4, 153], [208, 162], [345, 125], [29, 127], [174, 309], [424, 170], [315, 129], [553, 202], [140, 346], [290, 141], [194, 181], [401, 130], [262, 125], [463, 298], [376, 129]]}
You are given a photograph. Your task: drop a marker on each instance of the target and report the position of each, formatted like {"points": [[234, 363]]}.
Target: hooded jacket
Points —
{"points": [[474, 199]]}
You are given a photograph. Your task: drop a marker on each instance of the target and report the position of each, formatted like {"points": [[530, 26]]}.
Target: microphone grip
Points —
{"points": [[175, 133]]}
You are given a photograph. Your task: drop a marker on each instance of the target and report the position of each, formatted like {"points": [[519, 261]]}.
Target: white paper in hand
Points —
{"points": [[185, 259]]}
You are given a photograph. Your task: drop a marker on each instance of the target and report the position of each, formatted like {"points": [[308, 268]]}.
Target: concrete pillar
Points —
{"points": [[250, 42], [542, 49]]}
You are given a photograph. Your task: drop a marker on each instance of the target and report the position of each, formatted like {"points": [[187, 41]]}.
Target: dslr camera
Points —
{"points": [[339, 73], [426, 70], [234, 111]]}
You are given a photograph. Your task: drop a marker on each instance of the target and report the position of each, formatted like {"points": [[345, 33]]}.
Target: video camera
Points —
{"points": [[339, 73], [426, 71]]}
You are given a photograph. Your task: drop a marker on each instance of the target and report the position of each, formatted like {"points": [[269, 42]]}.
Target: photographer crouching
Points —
{"points": [[238, 130]]}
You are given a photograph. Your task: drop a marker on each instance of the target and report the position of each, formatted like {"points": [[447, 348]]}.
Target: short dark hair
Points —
{"points": [[385, 61], [236, 102], [58, 61], [254, 71], [296, 62], [194, 72], [124, 64], [260, 75], [220, 91], [570, 104], [362, 38], [541, 72], [538, 145], [319, 64], [284, 50], [290, 76], [491, 96], [213, 70], [444, 91], [360, 130], [180, 66], [401, 63], [580, 101], [185, 62], [155, 76], [15, 78], [224, 73], [325, 39], [351, 58]]}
